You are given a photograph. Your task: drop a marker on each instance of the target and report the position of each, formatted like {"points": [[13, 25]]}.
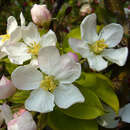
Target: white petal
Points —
{"points": [[6, 113], [2, 43], [112, 34], [118, 56], [16, 35], [67, 95], [88, 28], [40, 101], [79, 46], [22, 19], [2, 55], [23, 122], [49, 39], [47, 59], [11, 24], [17, 52], [96, 62], [26, 77], [108, 120], [7, 89], [31, 34], [34, 62], [66, 70], [125, 113]]}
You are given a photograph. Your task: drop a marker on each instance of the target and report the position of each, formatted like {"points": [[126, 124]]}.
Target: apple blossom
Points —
{"points": [[40, 14], [96, 48], [13, 34], [7, 88], [33, 42], [22, 121], [54, 85]]}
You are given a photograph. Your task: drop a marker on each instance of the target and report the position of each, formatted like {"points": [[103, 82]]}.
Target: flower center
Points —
{"points": [[49, 83], [5, 37], [98, 46], [34, 49]]}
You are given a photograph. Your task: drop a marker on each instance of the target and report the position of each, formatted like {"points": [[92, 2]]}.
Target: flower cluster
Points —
{"points": [[48, 75]]}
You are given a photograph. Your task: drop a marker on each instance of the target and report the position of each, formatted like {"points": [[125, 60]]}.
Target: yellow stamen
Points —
{"points": [[98, 46], [49, 83], [5, 37], [34, 49]]}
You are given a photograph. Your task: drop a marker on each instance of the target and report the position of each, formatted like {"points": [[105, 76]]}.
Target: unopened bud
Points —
{"points": [[40, 15]]}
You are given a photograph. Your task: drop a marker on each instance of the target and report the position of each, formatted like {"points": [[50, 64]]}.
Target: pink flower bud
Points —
{"points": [[22, 121], [7, 89], [74, 56], [40, 14]]}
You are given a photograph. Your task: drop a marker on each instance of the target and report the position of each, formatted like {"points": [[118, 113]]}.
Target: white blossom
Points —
{"points": [[54, 85], [20, 52], [99, 48]]}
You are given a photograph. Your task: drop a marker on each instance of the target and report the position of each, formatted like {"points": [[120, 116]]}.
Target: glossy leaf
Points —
{"points": [[59, 121], [102, 86], [90, 109]]}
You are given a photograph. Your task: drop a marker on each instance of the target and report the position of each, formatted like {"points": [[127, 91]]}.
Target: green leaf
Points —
{"points": [[58, 121], [20, 96], [10, 67], [90, 109], [42, 121], [75, 33], [102, 86]]}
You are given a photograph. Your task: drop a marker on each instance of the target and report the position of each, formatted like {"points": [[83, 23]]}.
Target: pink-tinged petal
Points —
{"points": [[74, 56], [22, 122], [7, 88], [40, 14], [6, 113], [19, 113]]}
